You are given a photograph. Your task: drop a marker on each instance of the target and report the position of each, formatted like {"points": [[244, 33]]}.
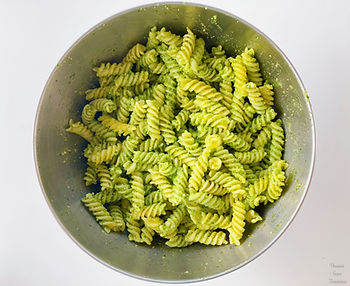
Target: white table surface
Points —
{"points": [[34, 250]]}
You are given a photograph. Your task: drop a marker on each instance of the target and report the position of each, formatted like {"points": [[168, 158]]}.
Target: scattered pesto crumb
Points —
{"points": [[278, 84], [66, 151], [186, 272], [273, 215], [275, 228], [249, 244], [214, 19], [307, 96]]}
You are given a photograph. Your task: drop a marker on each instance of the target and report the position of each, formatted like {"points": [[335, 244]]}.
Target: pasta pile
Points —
{"points": [[183, 143]]}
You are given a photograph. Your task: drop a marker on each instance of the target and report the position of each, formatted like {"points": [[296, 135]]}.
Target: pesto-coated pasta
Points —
{"points": [[182, 143], [90, 175], [186, 48], [206, 237], [252, 65], [117, 216], [114, 69], [108, 196], [100, 212], [119, 127], [153, 128], [80, 129], [134, 53], [138, 194]]}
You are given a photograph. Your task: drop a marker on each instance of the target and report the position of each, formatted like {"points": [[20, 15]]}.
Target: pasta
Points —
{"points": [[182, 143], [80, 129], [103, 217]]}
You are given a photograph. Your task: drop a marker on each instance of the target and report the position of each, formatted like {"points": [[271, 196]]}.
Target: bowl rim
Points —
{"points": [[313, 143]]}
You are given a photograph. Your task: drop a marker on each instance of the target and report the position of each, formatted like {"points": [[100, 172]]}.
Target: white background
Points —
{"points": [[34, 250]]}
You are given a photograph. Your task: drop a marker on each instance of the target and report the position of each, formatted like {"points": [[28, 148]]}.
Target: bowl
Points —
{"points": [[60, 165]]}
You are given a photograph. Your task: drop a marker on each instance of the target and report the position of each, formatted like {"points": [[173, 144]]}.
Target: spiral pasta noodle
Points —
{"points": [[152, 115], [186, 48], [108, 196], [200, 88], [166, 129], [212, 188], [277, 141], [169, 38], [237, 225], [180, 184], [255, 98], [134, 53], [181, 119], [90, 175], [101, 214], [206, 237], [108, 69], [138, 194], [153, 210], [267, 93], [80, 129], [178, 241], [131, 79], [240, 72], [252, 65], [188, 142], [116, 214], [119, 127], [99, 155]]}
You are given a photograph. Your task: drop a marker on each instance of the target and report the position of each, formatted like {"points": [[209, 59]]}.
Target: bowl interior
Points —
{"points": [[61, 165]]}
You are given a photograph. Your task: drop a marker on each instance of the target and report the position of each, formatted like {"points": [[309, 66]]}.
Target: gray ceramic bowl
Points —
{"points": [[58, 155]]}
